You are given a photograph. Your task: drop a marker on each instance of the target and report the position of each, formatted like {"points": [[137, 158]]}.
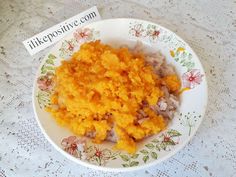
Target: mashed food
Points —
{"points": [[103, 92]]}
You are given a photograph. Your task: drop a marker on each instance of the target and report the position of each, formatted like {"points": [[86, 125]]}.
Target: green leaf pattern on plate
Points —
{"points": [[129, 160], [164, 142]]}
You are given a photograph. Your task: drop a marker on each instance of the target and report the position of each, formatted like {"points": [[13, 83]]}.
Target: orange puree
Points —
{"points": [[98, 80]]}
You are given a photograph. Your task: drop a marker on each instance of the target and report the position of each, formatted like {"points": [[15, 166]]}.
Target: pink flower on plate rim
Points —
{"points": [[153, 34], [100, 156], [83, 34], [45, 83], [74, 145], [70, 45], [192, 78], [137, 30]]}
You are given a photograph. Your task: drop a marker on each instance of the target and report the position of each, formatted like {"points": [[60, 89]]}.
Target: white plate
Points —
{"points": [[151, 150]]}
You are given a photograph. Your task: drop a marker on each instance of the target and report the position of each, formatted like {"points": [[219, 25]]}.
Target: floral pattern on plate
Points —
{"points": [[80, 36], [94, 154], [45, 81], [192, 78], [150, 31]]}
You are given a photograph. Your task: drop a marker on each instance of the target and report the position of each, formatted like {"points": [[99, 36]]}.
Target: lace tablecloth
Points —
{"points": [[208, 26]]}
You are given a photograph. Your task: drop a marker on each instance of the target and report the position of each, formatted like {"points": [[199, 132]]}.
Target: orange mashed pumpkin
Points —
{"points": [[98, 80]]}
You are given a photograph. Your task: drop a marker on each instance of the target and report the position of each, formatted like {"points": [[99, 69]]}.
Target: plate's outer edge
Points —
{"points": [[129, 168]]}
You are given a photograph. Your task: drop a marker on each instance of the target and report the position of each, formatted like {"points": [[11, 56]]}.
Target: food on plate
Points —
{"points": [[114, 94]]}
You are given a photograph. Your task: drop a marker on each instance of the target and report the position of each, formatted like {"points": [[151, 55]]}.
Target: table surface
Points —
{"points": [[208, 26]]}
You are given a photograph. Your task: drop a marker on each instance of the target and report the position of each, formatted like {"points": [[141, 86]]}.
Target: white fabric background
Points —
{"points": [[208, 26]]}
